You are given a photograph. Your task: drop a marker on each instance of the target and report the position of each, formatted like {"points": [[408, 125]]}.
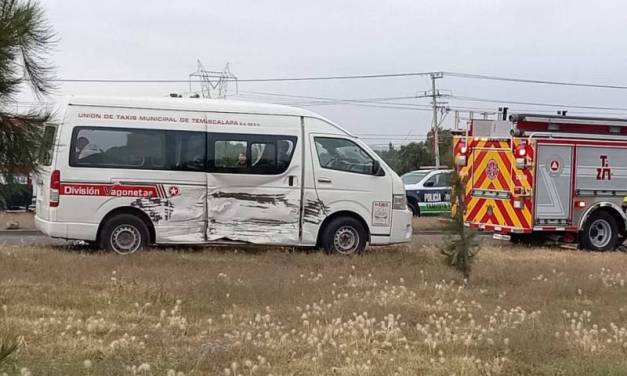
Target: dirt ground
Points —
{"points": [[393, 311], [25, 220]]}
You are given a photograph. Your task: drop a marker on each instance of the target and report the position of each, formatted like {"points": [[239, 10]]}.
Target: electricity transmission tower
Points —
{"points": [[213, 84]]}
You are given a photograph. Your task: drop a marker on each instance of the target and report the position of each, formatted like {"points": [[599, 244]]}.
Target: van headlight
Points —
{"points": [[399, 202]]}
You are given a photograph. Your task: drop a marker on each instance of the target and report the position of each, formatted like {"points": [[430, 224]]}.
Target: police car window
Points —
{"points": [[413, 178], [431, 182], [343, 155], [442, 180]]}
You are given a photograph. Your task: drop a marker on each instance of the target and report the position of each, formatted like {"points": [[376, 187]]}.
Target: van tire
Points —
{"points": [[345, 236], [600, 233], [414, 209], [124, 234]]}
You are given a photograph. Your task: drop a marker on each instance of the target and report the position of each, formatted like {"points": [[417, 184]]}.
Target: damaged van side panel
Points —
{"points": [[268, 216], [253, 205]]}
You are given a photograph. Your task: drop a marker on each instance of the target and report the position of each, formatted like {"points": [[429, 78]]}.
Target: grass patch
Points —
{"points": [[395, 310]]}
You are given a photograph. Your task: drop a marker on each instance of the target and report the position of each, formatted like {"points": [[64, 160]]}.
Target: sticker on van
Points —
{"points": [[381, 213]]}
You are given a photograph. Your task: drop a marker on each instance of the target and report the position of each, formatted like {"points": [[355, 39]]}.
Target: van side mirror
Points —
{"points": [[377, 170], [428, 183]]}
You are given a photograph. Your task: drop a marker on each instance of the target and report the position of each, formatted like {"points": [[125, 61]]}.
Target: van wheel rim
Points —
{"points": [[125, 239], [346, 240], [600, 233]]}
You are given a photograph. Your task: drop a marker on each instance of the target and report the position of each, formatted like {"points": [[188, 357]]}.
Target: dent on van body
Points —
{"points": [[180, 216], [315, 211], [252, 216]]}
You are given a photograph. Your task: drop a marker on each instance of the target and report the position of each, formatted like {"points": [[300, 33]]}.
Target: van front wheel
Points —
{"points": [[344, 235], [124, 234]]}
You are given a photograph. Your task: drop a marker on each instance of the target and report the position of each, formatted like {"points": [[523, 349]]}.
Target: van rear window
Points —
{"points": [[47, 143], [138, 149]]}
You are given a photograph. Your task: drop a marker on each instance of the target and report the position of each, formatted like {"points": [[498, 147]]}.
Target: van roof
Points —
{"points": [[190, 104]]}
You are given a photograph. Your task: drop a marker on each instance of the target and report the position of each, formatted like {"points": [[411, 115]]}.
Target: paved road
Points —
{"points": [[27, 238]]}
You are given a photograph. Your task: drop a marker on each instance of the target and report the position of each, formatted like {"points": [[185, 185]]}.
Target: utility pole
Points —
{"points": [[435, 129], [456, 120]]}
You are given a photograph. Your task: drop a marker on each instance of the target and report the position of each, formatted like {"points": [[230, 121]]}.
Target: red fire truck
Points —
{"points": [[552, 177]]}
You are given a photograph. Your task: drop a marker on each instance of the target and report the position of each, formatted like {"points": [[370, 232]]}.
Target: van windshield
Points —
{"points": [[343, 155]]}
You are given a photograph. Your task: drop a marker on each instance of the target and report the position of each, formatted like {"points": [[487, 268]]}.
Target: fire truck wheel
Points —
{"points": [[124, 234], [344, 235], [600, 232]]}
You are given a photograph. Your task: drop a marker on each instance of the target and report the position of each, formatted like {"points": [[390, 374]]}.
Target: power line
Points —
{"points": [[507, 101], [376, 99], [362, 76], [365, 102], [533, 81], [269, 79]]}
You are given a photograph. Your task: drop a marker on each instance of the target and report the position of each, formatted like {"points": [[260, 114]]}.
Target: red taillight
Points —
{"points": [[55, 185]]}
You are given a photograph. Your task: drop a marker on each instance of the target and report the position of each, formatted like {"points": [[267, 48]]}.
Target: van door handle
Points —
{"points": [[290, 180], [324, 180]]}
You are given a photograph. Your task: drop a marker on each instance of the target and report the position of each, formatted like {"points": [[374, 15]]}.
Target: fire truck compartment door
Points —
{"points": [[553, 182], [601, 169]]}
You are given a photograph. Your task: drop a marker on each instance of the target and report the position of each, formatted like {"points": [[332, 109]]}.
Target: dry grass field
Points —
{"points": [[393, 311]]}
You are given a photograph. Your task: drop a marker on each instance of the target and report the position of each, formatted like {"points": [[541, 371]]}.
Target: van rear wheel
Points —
{"points": [[600, 232], [124, 234], [344, 235]]}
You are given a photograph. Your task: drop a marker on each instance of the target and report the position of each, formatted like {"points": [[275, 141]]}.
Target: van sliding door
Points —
{"points": [[254, 181]]}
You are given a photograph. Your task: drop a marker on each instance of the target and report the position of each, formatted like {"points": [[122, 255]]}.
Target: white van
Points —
{"points": [[124, 173]]}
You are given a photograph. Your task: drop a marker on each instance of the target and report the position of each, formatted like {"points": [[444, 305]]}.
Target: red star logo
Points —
{"points": [[174, 190]]}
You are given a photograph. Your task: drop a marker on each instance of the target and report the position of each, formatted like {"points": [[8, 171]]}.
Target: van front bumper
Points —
{"points": [[401, 231], [66, 230]]}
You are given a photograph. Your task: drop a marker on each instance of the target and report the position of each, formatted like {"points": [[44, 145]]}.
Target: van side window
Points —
{"points": [[231, 154], [343, 155], [190, 151], [138, 149], [284, 153], [263, 155], [250, 153]]}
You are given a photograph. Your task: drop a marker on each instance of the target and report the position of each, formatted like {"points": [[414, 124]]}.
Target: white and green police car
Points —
{"points": [[428, 191]]}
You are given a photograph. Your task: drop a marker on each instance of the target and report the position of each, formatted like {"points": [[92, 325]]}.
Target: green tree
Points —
{"points": [[460, 246], [25, 39], [390, 156]]}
